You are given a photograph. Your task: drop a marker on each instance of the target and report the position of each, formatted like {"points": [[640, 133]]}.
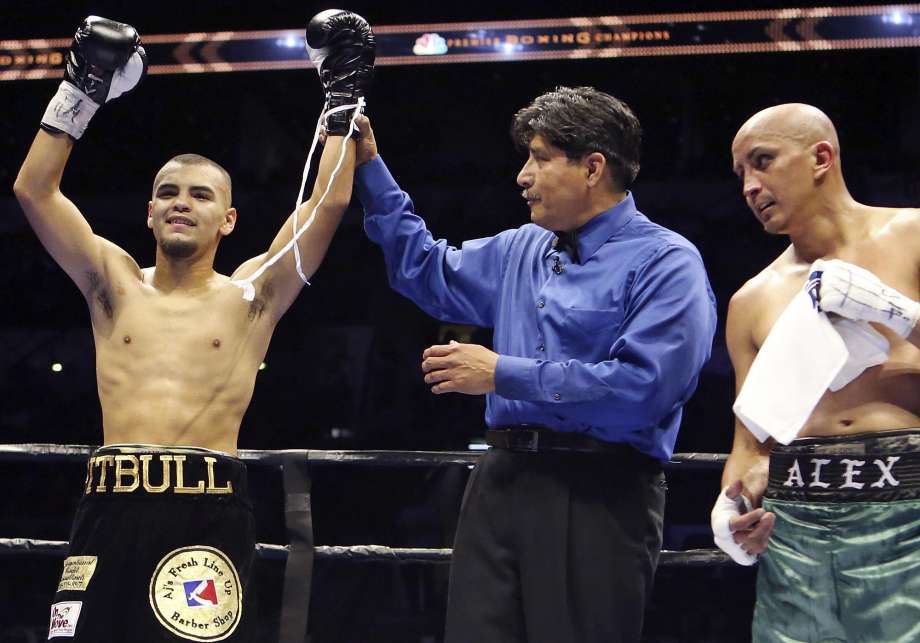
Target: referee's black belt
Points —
{"points": [[539, 439]]}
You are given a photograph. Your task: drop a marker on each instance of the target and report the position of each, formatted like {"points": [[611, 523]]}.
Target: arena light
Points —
{"points": [[291, 42], [793, 30], [898, 18]]}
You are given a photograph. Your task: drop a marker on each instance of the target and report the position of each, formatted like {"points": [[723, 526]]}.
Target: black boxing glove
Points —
{"points": [[341, 45], [105, 61]]}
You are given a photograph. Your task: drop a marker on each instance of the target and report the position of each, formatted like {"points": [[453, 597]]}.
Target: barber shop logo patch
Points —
{"points": [[195, 593]]}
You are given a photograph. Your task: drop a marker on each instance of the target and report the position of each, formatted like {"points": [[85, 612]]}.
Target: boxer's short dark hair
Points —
{"points": [[198, 159]]}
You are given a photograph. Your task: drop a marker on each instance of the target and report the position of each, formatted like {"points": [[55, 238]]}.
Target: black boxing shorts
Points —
{"points": [[161, 549]]}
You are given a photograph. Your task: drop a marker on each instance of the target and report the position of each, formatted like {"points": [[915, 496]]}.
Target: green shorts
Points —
{"points": [[843, 563]]}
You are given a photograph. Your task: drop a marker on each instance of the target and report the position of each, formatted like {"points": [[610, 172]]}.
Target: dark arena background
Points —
{"points": [[343, 371]]}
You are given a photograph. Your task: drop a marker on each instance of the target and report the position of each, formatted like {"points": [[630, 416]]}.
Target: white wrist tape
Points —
{"points": [[722, 512], [70, 110]]}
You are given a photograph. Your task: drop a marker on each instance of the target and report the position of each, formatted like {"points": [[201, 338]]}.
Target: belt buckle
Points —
{"points": [[530, 441]]}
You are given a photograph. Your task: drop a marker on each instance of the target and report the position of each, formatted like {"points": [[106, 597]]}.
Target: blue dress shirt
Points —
{"points": [[611, 347]]}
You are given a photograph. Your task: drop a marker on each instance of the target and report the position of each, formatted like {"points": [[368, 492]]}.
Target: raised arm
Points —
{"points": [[342, 46], [105, 61], [60, 226], [283, 278], [452, 284]]}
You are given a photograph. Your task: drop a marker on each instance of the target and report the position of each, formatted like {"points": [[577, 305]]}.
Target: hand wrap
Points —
{"points": [[722, 512]]}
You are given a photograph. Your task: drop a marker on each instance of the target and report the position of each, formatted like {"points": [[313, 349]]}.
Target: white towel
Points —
{"points": [[866, 347], [804, 355]]}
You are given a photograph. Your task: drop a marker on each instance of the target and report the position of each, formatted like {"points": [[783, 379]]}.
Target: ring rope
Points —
{"points": [[78, 453], [294, 459], [12, 547]]}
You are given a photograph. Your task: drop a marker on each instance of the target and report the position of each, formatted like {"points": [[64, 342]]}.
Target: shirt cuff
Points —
{"points": [[371, 179], [516, 378]]}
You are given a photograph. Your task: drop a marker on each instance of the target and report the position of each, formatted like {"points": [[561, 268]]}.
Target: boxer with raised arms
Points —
{"points": [[163, 540]]}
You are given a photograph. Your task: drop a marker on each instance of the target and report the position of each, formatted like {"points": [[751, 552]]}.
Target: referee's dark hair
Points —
{"points": [[582, 120]]}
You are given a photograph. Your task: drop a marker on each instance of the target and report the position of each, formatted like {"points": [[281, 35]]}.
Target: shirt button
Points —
{"points": [[540, 347], [557, 397], [540, 303]]}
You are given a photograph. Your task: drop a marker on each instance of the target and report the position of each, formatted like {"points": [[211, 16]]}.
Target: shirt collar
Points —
{"points": [[593, 234]]}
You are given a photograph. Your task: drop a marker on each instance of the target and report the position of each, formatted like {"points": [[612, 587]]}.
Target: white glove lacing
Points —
{"points": [[247, 284]]}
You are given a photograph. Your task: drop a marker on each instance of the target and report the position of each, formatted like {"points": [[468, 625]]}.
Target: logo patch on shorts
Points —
{"points": [[64, 617], [195, 593], [78, 571], [200, 593]]}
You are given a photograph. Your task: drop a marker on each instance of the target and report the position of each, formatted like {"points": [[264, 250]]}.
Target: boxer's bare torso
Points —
{"points": [[178, 348], [883, 397], [175, 367], [787, 159]]}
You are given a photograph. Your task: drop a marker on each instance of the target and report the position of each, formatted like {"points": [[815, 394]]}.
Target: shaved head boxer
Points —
{"points": [[163, 540], [834, 514]]}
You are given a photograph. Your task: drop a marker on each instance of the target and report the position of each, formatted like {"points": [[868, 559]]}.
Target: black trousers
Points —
{"points": [[555, 547]]}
